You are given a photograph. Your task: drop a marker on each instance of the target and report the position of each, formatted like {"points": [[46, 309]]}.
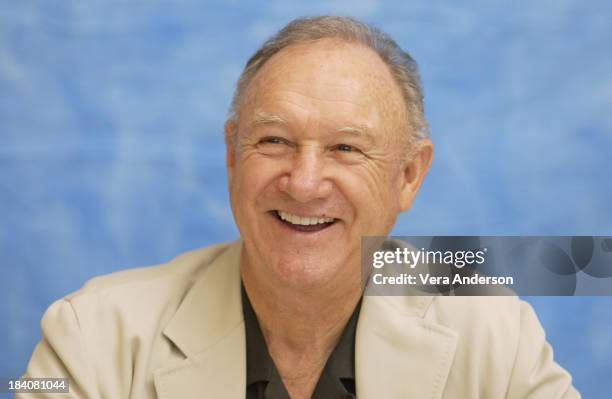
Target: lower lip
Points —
{"points": [[312, 228]]}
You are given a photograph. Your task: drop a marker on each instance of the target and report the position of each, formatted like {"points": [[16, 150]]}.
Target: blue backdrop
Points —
{"points": [[111, 149]]}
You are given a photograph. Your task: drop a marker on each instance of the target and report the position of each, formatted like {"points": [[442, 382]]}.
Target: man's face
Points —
{"points": [[318, 161]]}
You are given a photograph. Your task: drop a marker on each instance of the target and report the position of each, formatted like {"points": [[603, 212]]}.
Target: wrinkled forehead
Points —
{"points": [[331, 78]]}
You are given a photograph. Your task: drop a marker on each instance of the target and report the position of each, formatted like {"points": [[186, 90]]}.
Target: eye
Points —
{"points": [[272, 140], [274, 145], [346, 148]]}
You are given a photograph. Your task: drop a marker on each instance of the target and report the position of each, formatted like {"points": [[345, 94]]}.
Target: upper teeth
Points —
{"points": [[304, 221]]}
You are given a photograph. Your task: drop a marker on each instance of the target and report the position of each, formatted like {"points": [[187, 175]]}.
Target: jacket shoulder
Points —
{"points": [[108, 338], [484, 325], [501, 342], [477, 312], [136, 303], [182, 269]]}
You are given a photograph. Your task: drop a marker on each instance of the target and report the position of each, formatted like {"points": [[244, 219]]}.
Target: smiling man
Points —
{"points": [[326, 143], [316, 159]]}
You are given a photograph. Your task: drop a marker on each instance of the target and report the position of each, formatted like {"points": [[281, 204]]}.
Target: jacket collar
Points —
{"points": [[208, 328], [398, 353]]}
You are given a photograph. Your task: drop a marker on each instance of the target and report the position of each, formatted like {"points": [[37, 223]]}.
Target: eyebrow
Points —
{"points": [[264, 118], [361, 131]]}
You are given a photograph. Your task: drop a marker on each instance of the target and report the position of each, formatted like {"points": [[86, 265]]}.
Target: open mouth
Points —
{"points": [[304, 223]]}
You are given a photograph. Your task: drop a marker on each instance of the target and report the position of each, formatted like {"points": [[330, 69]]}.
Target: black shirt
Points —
{"points": [[337, 381]]}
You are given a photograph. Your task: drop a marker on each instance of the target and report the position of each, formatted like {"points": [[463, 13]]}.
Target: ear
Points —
{"points": [[230, 130], [414, 172]]}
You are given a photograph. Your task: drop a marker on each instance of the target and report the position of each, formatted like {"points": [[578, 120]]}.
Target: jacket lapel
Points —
{"points": [[398, 353], [208, 328]]}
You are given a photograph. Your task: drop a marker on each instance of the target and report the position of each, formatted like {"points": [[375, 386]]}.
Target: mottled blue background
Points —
{"points": [[111, 150]]}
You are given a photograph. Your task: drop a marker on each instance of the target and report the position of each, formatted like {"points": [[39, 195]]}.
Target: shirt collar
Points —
{"points": [[260, 366]]}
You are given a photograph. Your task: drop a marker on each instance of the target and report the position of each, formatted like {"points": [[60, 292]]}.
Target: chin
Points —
{"points": [[301, 274]]}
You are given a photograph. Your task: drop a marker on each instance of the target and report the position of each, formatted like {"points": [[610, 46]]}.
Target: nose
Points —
{"points": [[306, 180]]}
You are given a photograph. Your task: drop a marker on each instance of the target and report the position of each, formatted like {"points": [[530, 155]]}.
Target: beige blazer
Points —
{"points": [[176, 331]]}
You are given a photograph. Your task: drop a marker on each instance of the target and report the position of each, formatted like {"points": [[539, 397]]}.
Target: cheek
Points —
{"points": [[376, 185], [251, 181], [374, 195]]}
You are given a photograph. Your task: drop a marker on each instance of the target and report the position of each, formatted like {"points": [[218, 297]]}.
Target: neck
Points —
{"points": [[302, 322], [301, 325]]}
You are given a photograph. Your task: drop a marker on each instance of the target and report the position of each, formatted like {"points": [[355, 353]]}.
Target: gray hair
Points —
{"points": [[303, 30]]}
